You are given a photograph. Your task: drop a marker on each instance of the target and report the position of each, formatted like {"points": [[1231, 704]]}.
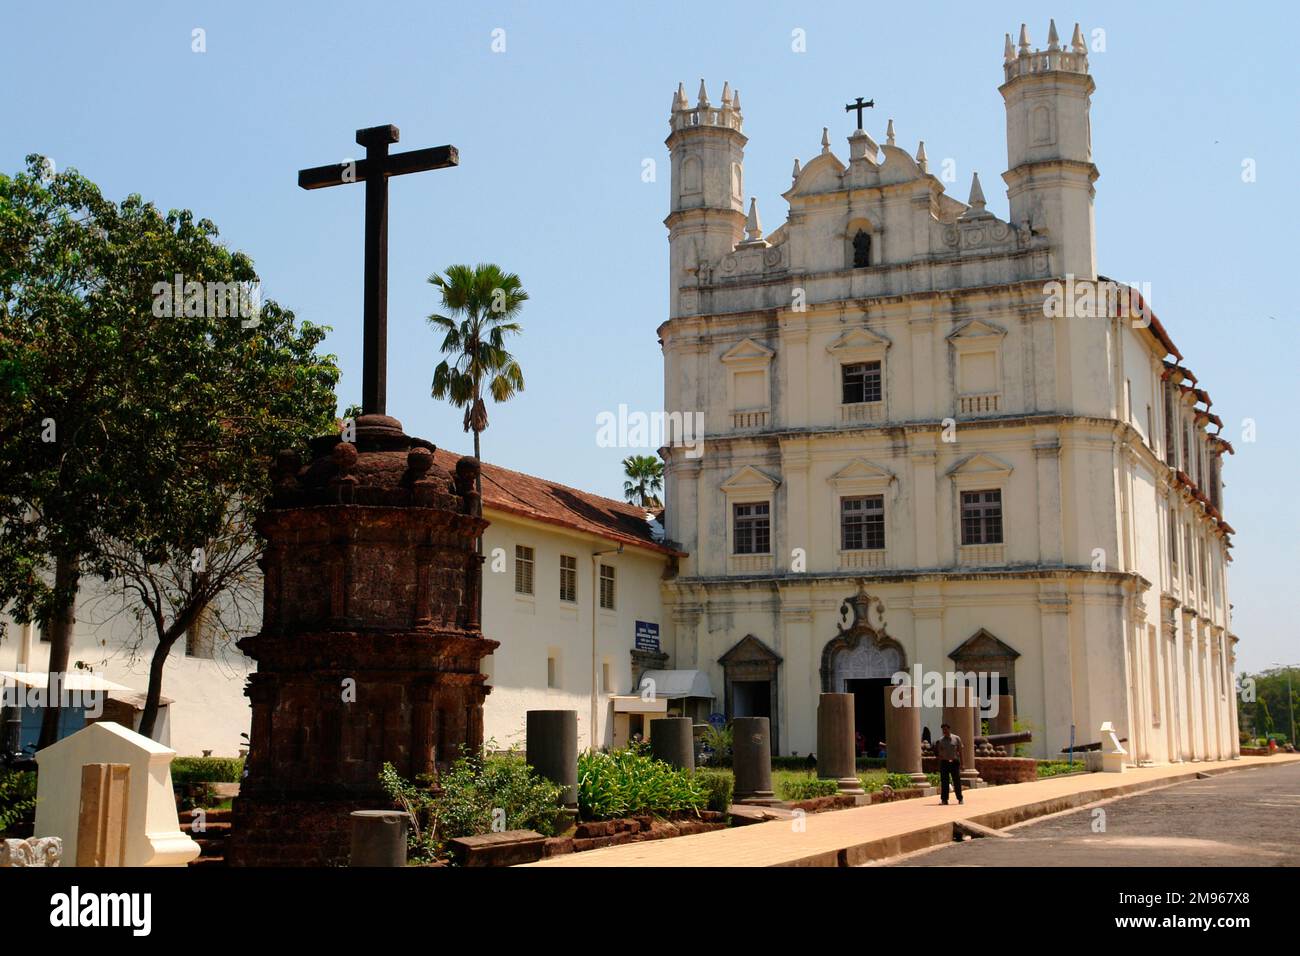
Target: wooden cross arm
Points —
{"points": [[398, 164]]}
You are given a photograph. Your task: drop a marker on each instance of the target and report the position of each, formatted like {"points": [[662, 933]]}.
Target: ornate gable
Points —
{"points": [[983, 646]]}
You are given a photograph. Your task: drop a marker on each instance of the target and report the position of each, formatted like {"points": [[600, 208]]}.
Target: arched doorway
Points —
{"points": [[860, 661]]}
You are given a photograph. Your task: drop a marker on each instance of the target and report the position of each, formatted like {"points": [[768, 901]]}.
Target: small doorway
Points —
{"points": [[868, 713]]}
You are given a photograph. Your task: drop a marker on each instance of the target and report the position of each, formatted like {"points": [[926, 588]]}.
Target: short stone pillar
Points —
{"points": [[1004, 722], [751, 748], [961, 719], [836, 754], [551, 748], [379, 837], [672, 740], [903, 733]]}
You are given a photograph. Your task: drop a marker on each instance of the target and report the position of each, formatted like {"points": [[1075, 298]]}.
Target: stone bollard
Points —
{"points": [[1005, 721], [672, 740], [903, 733], [961, 716], [379, 837], [751, 749], [551, 748], [836, 754]]}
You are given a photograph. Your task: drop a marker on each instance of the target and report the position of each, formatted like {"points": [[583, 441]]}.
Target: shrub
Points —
{"points": [[422, 844], [805, 788], [17, 802], [720, 787], [627, 782], [475, 787], [207, 770], [717, 745]]}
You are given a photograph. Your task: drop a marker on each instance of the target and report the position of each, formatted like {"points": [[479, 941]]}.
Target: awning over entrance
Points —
{"points": [[676, 684]]}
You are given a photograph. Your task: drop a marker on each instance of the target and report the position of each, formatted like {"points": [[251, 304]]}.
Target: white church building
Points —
{"points": [[926, 446], [935, 439]]}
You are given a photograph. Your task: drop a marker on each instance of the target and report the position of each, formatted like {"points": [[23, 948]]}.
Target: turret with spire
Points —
{"points": [[707, 149], [1050, 172]]}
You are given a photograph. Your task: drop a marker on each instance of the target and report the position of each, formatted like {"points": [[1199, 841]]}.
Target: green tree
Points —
{"points": [[131, 419], [484, 303], [645, 479]]}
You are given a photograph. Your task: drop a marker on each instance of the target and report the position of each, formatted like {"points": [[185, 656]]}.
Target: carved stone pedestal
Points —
{"points": [[370, 650]]}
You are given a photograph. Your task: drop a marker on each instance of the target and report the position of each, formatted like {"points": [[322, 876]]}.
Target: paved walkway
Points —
{"points": [[863, 834]]}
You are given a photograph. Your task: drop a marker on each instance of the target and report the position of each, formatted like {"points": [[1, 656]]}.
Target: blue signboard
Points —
{"points": [[717, 721], [647, 636]]}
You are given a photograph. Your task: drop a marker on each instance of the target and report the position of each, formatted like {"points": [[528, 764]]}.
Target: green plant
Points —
{"points": [[791, 787], [17, 801], [625, 782], [498, 791], [720, 785], [207, 770], [719, 741], [418, 800]]}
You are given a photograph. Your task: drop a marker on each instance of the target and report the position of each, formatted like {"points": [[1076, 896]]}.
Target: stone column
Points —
{"points": [[672, 740], [751, 750], [836, 755], [961, 715], [1005, 721], [551, 748], [903, 733], [379, 837]]}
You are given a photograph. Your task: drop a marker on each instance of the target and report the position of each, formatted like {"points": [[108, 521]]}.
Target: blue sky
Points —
{"points": [[552, 133]]}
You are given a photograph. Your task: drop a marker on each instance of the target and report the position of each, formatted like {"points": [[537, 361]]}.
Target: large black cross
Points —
{"points": [[859, 105], [374, 171]]}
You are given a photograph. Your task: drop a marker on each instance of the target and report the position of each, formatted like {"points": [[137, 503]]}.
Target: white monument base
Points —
{"points": [[153, 832]]}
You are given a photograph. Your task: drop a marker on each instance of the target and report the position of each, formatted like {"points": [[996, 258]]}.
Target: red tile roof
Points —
{"points": [[531, 497]]}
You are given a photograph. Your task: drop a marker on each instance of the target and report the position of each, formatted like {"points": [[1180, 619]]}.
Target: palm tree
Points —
{"points": [[483, 303], [645, 477]]}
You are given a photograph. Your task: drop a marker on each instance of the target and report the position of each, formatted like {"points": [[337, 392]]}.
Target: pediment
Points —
{"points": [[980, 464], [747, 351], [748, 479], [822, 174], [749, 650], [859, 470], [898, 166], [983, 645], [858, 339], [976, 329]]}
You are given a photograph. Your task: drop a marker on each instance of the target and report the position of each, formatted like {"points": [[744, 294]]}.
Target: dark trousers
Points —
{"points": [[949, 768]]}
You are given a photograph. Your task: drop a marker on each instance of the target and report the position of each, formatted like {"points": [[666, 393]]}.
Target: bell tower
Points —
{"points": [[1049, 177], [707, 217]]}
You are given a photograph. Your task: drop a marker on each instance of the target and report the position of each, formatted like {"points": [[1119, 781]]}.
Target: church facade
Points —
{"points": [[938, 439]]}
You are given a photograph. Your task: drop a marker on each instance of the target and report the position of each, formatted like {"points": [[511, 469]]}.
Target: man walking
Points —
{"points": [[948, 749]]}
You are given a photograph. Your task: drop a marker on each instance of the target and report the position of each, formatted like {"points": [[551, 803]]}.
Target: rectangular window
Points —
{"points": [[523, 570], [568, 578], [752, 528], [607, 592], [604, 677], [861, 383], [1171, 434], [552, 672], [862, 523], [981, 517], [1190, 567], [1173, 541], [1187, 450]]}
